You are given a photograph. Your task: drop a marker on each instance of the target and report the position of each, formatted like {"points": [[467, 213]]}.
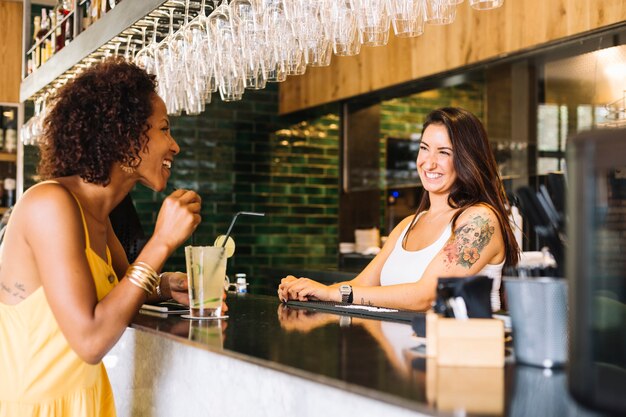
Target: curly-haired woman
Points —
{"points": [[61, 304], [460, 229]]}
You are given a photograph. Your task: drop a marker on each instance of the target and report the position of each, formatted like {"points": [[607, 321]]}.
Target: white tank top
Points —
{"points": [[403, 266]]}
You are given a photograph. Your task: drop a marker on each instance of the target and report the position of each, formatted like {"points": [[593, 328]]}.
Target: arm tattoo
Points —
{"points": [[365, 303], [18, 290], [468, 241]]}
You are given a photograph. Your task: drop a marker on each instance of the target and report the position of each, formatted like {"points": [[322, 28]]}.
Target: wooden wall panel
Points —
{"points": [[473, 37], [10, 51]]}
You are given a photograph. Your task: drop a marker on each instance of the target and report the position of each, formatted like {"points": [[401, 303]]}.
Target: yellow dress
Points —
{"points": [[40, 375]]}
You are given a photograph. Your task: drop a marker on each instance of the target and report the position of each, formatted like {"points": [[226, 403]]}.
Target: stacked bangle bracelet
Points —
{"points": [[157, 289], [143, 276]]}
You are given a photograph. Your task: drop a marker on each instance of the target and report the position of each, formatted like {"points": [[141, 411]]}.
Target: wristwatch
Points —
{"points": [[346, 293]]}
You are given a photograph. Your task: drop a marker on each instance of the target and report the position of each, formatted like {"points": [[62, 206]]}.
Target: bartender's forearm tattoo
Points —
{"points": [[468, 241], [5, 288], [365, 303]]}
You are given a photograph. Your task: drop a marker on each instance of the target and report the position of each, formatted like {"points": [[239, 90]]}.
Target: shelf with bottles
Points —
{"points": [[57, 27], [97, 41]]}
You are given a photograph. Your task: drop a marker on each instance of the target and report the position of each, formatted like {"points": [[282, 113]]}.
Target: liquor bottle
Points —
{"points": [[95, 10], [36, 54], [104, 7], [59, 12], [9, 192], [9, 185], [46, 46], [10, 139], [52, 24], [86, 14], [68, 7]]}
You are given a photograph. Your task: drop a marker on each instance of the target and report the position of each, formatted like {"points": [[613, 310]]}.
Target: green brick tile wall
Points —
{"points": [[400, 117]]}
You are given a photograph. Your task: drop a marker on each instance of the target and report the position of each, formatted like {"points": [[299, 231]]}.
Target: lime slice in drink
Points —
{"points": [[230, 244]]}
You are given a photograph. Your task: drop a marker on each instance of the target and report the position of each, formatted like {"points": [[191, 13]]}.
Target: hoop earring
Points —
{"points": [[127, 168]]}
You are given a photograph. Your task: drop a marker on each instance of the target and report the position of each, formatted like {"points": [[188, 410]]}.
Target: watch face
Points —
{"points": [[346, 293]]}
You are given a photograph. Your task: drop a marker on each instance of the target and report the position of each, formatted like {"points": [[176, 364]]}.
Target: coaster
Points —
{"points": [[187, 316]]}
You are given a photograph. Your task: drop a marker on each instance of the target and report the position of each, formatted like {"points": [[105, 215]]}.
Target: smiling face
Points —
{"points": [[158, 153], [435, 160]]}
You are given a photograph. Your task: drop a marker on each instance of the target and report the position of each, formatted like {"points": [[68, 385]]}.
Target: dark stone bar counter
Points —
{"points": [[274, 360]]}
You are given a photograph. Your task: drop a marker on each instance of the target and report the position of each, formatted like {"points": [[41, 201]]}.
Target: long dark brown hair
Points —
{"points": [[478, 180]]}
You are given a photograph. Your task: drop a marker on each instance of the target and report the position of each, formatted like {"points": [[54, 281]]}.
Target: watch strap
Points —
{"points": [[346, 296]]}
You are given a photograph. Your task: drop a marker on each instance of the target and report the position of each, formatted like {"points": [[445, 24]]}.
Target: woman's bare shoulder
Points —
{"points": [[403, 224], [478, 213], [48, 190], [406, 220], [45, 200]]}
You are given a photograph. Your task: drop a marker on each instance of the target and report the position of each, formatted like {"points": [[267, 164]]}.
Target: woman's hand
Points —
{"points": [[294, 319], [178, 218], [304, 289], [224, 306], [175, 285], [282, 292]]}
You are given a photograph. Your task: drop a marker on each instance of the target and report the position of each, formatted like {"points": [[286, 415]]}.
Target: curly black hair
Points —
{"points": [[96, 120]]}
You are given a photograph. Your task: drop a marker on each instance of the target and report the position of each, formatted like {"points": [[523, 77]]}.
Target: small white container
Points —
{"points": [[241, 284], [346, 247]]}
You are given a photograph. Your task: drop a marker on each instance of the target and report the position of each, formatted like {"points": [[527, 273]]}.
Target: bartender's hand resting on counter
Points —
{"points": [[305, 289], [300, 320]]}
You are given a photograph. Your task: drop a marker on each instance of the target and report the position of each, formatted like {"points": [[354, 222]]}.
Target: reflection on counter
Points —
{"points": [[275, 353], [542, 392], [208, 332], [473, 389], [395, 339]]}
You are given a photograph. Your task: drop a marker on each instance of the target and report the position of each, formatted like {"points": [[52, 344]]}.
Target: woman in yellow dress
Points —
{"points": [[61, 305]]}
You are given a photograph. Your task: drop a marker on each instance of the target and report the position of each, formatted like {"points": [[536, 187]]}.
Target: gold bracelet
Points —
{"points": [[157, 289], [139, 284], [155, 279], [140, 280], [149, 270], [143, 276]]}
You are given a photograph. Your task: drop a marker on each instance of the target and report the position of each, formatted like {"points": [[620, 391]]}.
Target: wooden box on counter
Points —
{"points": [[471, 342]]}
